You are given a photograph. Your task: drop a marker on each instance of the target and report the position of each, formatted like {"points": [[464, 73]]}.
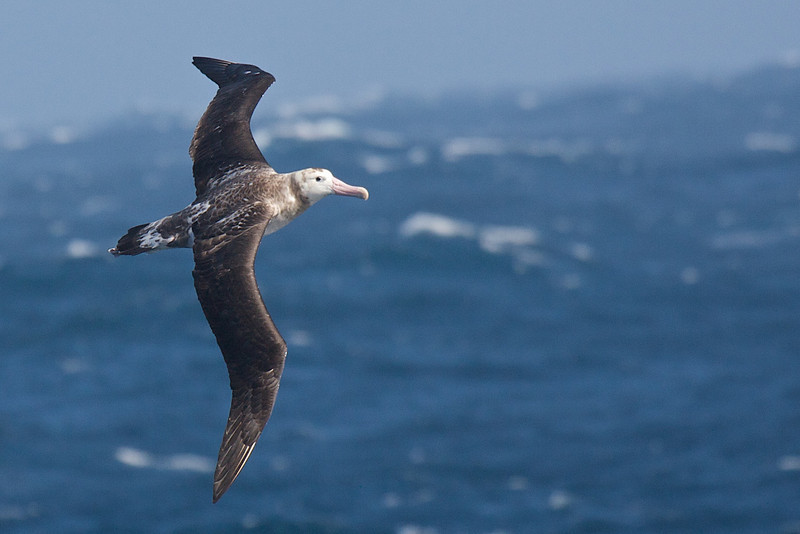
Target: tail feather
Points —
{"points": [[131, 243], [172, 231]]}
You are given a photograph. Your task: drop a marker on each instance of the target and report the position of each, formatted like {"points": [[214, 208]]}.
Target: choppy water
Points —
{"points": [[556, 313]]}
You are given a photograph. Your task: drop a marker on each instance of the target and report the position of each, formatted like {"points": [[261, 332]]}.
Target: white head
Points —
{"points": [[315, 184]]}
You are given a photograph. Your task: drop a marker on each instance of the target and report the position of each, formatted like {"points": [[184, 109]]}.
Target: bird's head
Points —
{"points": [[315, 184]]}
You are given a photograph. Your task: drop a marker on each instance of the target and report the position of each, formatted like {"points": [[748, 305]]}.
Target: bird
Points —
{"points": [[239, 199]]}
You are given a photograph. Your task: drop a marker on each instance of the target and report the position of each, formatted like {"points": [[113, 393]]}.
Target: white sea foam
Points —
{"points": [[558, 500], [437, 225], [188, 462], [378, 164], [520, 242], [789, 463], [581, 251], [72, 366], [566, 151], [770, 142], [570, 281], [262, 137], [391, 500], [375, 164], [299, 338], [62, 135], [177, 462], [250, 521], [461, 147], [753, 238], [367, 98], [82, 248], [97, 204], [415, 529], [325, 129], [418, 156], [328, 104], [528, 257], [690, 275], [133, 457], [383, 139], [502, 239], [280, 463]]}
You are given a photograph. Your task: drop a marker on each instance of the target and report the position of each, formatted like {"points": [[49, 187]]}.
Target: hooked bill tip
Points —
{"points": [[343, 189]]}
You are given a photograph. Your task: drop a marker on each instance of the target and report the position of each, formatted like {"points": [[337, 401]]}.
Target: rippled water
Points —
{"points": [[574, 316]]}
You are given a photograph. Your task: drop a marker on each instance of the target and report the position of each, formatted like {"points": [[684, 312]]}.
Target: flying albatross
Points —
{"points": [[240, 198]]}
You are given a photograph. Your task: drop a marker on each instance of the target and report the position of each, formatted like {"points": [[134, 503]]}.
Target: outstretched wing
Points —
{"points": [[222, 139], [253, 349]]}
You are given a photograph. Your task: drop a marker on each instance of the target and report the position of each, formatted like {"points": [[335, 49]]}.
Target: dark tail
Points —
{"points": [[130, 244], [172, 231]]}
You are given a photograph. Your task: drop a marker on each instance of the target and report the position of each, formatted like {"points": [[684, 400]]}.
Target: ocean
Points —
{"points": [[571, 311]]}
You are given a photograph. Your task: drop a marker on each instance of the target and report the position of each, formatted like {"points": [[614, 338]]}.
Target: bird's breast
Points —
{"points": [[285, 211]]}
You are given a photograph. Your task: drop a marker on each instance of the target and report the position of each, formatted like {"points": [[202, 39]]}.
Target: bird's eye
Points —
{"points": [[319, 178]]}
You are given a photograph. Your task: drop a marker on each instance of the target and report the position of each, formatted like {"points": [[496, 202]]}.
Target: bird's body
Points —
{"points": [[237, 192], [240, 198]]}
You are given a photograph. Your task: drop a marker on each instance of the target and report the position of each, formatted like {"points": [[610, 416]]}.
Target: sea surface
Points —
{"points": [[570, 311]]}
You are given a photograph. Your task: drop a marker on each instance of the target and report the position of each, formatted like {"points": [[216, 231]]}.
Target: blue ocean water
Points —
{"points": [[571, 312]]}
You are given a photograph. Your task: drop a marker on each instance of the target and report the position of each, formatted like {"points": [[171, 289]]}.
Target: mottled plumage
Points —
{"points": [[240, 198]]}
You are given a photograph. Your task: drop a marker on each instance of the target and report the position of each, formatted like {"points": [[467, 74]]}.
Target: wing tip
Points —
{"points": [[227, 472], [213, 68], [223, 72]]}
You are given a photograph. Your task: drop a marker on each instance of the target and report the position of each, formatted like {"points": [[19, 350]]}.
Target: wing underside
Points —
{"points": [[222, 139], [253, 349]]}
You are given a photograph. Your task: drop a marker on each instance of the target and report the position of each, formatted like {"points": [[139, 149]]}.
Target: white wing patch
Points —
{"points": [[162, 233], [150, 238]]}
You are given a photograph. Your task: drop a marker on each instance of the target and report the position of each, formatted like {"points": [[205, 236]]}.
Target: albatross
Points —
{"points": [[239, 199]]}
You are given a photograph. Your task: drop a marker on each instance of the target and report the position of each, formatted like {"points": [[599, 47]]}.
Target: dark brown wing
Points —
{"points": [[222, 139], [253, 349]]}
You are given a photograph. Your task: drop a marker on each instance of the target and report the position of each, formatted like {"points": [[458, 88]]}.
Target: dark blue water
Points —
{"points": [[567, 312]]}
